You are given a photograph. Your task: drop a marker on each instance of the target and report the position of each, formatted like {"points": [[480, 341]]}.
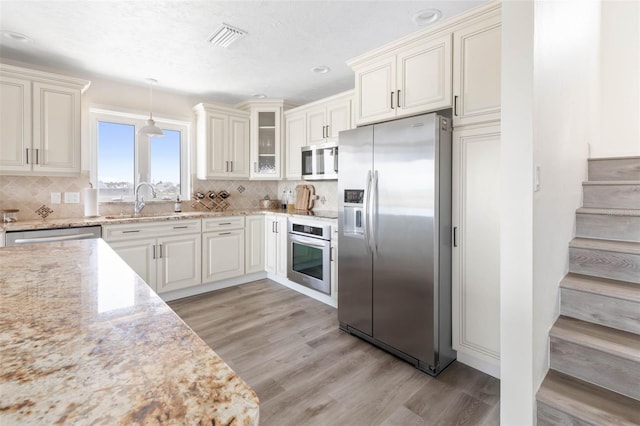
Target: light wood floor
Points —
{"points": [[306, 371]]}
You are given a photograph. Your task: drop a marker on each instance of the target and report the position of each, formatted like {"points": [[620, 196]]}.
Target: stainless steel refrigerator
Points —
{"points": [[394, 241]]}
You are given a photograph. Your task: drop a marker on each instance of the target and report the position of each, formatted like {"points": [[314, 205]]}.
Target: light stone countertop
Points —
{"points": [[83, 340], [330, 216]]}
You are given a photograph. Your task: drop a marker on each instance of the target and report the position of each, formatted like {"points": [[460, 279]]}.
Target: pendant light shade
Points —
{"points": [[151, 129]]}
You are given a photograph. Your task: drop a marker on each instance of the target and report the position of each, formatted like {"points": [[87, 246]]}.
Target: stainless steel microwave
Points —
{"points": [[320, 162]]}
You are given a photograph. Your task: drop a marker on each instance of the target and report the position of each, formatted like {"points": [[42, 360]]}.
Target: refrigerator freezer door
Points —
{"points": [[404, 253], [355, 271]]}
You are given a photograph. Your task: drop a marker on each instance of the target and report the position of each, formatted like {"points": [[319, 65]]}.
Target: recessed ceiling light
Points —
{"points": [[321, 69], [259, 95], [12, 35], [426, 17]]}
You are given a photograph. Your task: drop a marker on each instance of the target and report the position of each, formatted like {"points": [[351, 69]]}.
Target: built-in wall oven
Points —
{"points": [[309, 254]]}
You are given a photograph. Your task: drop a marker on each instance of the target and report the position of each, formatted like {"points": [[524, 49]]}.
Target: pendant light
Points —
{"points": [[151, 129]]}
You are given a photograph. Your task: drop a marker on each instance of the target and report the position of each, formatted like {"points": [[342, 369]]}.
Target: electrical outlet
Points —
{"points": [[55, 198], [72, 197]]}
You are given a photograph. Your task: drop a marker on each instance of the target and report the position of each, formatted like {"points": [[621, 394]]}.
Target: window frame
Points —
{"points": [[141, 170]]}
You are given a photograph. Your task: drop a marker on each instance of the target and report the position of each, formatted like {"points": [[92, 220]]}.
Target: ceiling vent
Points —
{"points": [[225, 35]]}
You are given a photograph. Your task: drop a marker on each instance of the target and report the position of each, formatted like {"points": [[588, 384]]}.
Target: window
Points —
{"points": [[123, 159]]}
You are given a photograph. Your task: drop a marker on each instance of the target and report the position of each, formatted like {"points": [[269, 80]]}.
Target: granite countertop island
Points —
{"points": [[83, 340]]}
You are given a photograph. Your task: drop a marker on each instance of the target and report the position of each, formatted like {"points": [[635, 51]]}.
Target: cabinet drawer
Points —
{"points": [[146, 230], [227, 222]]}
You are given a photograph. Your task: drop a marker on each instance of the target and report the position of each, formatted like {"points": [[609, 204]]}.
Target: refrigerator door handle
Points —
{"points": [[366, 212], [374, 213]]}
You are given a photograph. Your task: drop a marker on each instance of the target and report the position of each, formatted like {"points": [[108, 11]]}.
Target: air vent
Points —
{"points": [[225, 35]]}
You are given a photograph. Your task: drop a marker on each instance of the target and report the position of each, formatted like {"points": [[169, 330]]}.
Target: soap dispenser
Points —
{"points": [[177, 207]]}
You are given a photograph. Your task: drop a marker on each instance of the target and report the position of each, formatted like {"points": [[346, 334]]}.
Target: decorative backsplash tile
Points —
{"points": [[28, 193]]}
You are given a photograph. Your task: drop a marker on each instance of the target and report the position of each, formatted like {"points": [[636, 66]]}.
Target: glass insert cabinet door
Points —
{"points": [[266, 162]]}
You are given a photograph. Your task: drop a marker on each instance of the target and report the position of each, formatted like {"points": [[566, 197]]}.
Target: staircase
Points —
{"points": [[595, 343]]}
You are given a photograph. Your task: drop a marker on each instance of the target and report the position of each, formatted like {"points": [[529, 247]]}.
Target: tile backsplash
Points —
{"points": [[29, 193]]}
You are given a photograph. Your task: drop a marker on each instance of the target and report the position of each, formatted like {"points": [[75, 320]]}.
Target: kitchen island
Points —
{"points": [[84, 340]]}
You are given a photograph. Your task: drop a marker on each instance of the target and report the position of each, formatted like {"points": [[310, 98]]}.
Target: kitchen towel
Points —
{"points": [[90, 202]]}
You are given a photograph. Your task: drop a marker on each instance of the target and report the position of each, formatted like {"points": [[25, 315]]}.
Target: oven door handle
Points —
{"points": [[312, 242]]}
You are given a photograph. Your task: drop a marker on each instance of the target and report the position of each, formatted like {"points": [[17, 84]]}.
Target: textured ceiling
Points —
{"points": [[130, 41]]}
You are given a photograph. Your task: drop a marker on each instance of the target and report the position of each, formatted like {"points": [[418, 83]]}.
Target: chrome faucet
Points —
{"points": [[139, 204]]}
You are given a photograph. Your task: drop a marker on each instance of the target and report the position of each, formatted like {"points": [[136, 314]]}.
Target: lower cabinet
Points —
{"points": [[254, 244], [222, 248], [476, 246], [276, 244], [166, 256]]}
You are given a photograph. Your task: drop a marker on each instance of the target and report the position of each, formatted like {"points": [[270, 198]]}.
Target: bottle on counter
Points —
{"points": [[177, 207], [290, 201], [284, 202]]}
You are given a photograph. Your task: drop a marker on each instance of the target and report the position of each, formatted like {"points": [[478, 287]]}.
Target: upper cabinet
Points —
{"points": [[410, 80], [454, 64], [476, 72], [318, 122], [266, 138], [328, 118], [40, 115], [222, 135]]}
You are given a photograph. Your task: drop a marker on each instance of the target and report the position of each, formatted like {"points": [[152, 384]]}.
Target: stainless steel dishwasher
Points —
{"points": [[15, 238]]}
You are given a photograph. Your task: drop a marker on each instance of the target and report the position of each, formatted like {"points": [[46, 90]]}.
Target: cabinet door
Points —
{"points": [[424, 77], [271, 247], [476, 72], [282, 246], [254, 244], [375, 88], [56, 128], [223, 255], [179, 262], [265, 144], [215, 143], [316, 121], [238, 147], [338, 118], [139, 255], [15, 131], [296, 137], [476, 251]]}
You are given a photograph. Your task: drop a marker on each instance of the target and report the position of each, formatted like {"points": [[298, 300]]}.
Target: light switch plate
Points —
{"points": [[72, 197], [55, 198]]}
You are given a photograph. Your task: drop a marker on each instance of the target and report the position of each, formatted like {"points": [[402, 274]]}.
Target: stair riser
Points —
{"points": [[605, 264], [615, 169], [624, 196], [603, 369], [608, 227], [603, 310], [549, 416]]}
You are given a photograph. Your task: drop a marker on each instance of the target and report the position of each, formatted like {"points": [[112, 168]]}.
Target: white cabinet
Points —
{"points": [[296, 138], [318, 122], [222, 135], [266, 138], [414, 78], [326, 120], [276, 244], [476, 72], [476, 250], [254, 238], [222, 248], [166, 255], [40, 115]]}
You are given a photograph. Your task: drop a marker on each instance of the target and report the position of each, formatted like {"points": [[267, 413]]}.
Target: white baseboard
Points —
{"points": [[491, 369], [205, 288], [304, 290]]}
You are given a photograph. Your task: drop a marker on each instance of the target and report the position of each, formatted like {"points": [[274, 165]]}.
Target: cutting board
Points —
{"points": [[305, 197]]}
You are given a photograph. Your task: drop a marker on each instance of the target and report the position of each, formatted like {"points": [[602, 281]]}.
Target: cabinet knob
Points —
{"points": [[392, 100]]}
